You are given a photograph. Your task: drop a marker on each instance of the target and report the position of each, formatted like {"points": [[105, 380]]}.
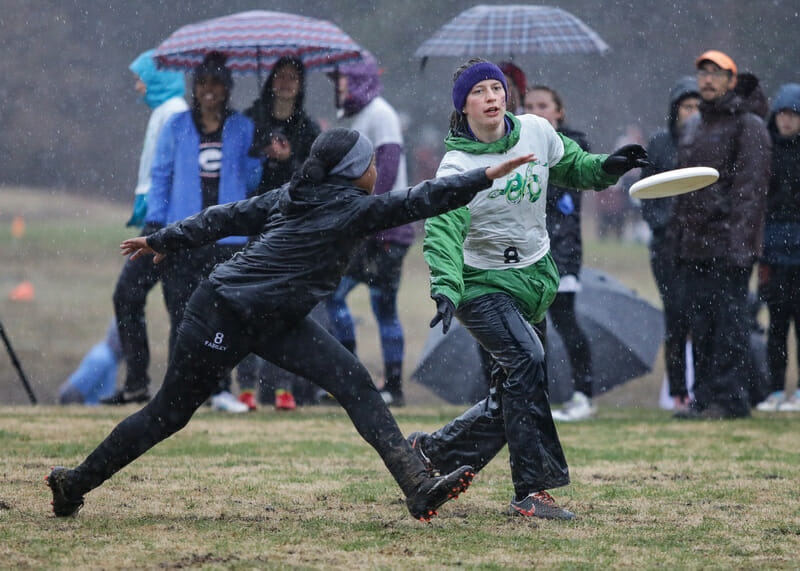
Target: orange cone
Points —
{"points": [[18, 226], [23, 292]]}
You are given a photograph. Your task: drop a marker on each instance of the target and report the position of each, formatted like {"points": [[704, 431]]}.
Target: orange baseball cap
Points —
{"points": [[719, 58]]}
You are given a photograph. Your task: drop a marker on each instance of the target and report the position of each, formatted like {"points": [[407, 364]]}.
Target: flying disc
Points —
{"points": [[674, 182]]}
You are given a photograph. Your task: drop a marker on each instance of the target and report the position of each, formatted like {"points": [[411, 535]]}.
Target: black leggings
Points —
{"points": [[211, 340], [562, 313], [784, 307]]}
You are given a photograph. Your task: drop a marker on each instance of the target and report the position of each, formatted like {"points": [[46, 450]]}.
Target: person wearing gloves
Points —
{"points": [[201, 159], [163, 92], [379, 262], [779, 266], [259, 301], [491, 267]]}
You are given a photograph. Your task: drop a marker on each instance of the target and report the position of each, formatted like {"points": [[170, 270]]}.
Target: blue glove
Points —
{"points": [[139, 211], [565, 204]]}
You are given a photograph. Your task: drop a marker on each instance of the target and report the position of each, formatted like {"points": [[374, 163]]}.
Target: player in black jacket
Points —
{"points": [[259, 301]]}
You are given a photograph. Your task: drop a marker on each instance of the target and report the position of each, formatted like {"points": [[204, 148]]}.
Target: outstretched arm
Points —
{"points": [[431, 197], [243, 218]]}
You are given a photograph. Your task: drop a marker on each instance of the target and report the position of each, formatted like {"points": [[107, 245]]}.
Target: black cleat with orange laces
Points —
{"points": [[539, 504], [64, 504], [436, 490]]}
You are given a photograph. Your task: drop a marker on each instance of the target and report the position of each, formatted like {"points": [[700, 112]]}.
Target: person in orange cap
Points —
{"points": [[717, 235]]}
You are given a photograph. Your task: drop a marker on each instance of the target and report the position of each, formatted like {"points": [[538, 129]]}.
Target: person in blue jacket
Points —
{"points": [[201, 159]]}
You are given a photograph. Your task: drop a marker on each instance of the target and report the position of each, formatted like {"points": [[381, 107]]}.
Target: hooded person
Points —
{"points": [[164, 94], [662, 150], [491, 268], [283, 138], [284, 131], [779, 265], [95, 378], [259, 301], [379, 262], [517, 87]]}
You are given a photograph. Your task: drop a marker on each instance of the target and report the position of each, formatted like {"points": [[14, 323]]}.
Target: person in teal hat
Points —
{"points": [[163, 92]]}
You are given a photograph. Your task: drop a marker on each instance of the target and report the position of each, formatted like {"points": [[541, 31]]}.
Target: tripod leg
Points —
{"points": [[15, 361]]}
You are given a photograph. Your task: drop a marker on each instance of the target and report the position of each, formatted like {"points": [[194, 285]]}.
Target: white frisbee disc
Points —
{"points": [[674, 182]]}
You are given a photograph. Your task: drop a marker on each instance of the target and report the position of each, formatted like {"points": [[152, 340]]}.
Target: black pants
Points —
{"points": [[210, 341], [180, 274], [715, 302], [783, 302], [517, 410], [676, 320], [562, 314]]}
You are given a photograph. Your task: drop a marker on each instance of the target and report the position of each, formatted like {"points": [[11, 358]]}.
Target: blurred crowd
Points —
{"points": [[704, 246]]}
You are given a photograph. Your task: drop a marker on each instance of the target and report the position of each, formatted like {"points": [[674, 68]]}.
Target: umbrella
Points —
{"points": [[255, 40], [624, 332], [509, 30]]}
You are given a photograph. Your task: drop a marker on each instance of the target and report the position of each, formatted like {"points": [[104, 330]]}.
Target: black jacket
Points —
{"points": [[305, 238], [783, 200], [564, 218], [299, 129], [662, 152], [725, 220]]}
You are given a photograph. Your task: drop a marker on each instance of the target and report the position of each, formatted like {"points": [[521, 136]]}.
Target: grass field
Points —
{"points": [[271, 490], [303, 490]]}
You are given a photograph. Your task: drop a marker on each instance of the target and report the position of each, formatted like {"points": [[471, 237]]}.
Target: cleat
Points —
{"points": [[415, 441], [64, 504], [539, 504], [432, 493]]}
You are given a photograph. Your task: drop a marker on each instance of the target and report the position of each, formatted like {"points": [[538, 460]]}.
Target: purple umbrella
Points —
{"points": [[255, 40], [511, 30]]}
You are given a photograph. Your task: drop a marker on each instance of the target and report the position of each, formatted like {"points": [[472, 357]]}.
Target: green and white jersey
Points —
{"points": [[507, 222]]}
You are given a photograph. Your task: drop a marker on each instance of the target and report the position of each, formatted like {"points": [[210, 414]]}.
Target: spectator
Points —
{"points": [[566, 247], [259, 301], [779, 269], [662, 150], [379, 261], [163, 92], [717, 234], [200, 160], [517, 85], [283, 137], [491, 267]]}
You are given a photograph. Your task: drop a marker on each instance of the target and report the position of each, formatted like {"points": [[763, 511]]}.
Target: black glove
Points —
{"points": [[624, 159], [444, 311]]}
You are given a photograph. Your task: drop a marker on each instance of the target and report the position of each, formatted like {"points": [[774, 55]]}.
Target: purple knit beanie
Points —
{"points": [[472, 75]]}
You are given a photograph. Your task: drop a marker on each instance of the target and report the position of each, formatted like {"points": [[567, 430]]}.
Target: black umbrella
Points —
{"points": [[624, 333]]}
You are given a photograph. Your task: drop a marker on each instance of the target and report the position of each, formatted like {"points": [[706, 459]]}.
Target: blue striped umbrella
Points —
{"points": [[511, 30], [255, 40]]}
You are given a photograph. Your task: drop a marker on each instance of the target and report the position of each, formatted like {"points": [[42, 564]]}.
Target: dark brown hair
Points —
{"points": [[458, 121]]}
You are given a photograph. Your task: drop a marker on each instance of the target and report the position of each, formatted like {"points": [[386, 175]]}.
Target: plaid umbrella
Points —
{"points": [[512, 30], [255, 40]]}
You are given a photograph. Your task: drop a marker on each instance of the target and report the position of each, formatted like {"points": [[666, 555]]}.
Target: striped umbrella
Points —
{"points": [[255, 40], [510, 30]]}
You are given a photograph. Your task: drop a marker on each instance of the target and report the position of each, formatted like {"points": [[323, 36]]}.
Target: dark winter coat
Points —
{"points": [[564, 218], [782, 231], [724, 221], [662, 152], [299, 129], [306, 237]]}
